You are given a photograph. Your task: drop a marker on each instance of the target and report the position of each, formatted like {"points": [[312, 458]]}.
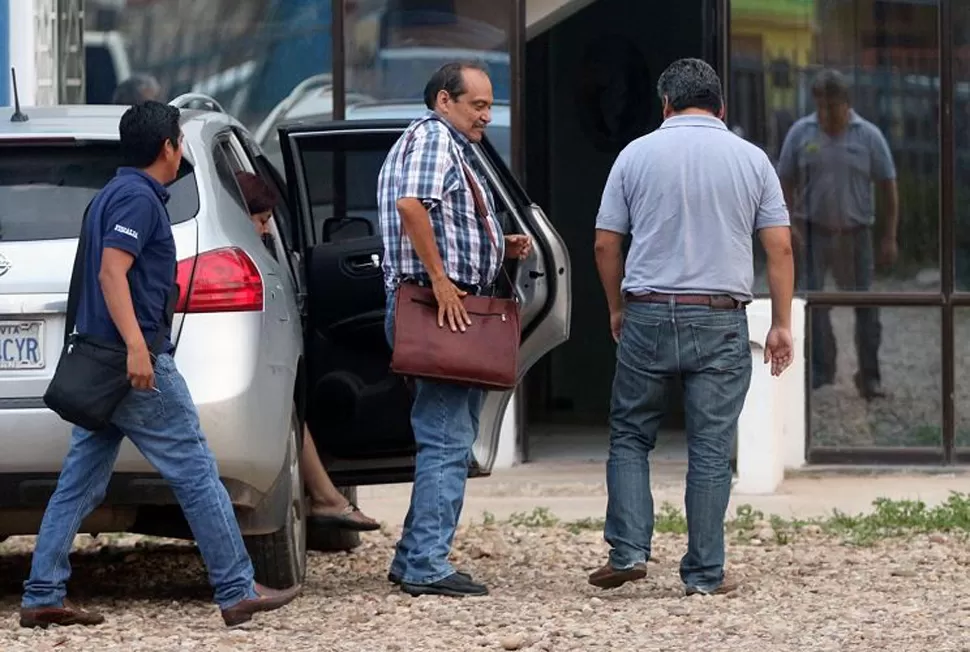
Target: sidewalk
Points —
{"points": [[577, 490]]}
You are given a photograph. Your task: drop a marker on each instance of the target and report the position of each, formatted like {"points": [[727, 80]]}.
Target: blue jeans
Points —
{"points": [[444, 418], [851, 259], [707, 351], [164, 425]]}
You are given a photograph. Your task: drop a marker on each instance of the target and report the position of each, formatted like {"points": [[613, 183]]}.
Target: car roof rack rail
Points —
{"points": [[198, 102]]}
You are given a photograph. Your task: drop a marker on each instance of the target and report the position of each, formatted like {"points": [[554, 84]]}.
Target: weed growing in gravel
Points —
{"points": [[540, 517], [888, 519]]}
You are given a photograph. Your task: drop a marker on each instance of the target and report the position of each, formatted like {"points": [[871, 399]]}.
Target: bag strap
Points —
{"points": [[481, 210], [77, 278], [481, 207]]}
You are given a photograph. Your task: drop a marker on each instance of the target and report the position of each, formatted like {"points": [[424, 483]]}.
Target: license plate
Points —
{"points": [[22, 345]]}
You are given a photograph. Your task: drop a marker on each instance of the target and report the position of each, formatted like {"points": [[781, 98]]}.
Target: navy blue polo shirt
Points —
{"points": [[129, 214]]}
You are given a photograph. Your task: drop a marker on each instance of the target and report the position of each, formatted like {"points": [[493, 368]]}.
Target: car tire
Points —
{"points": [[332, 539], [280, 559]]}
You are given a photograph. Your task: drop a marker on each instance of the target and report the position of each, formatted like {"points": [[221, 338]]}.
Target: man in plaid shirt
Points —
{"points": [[427, 190]]}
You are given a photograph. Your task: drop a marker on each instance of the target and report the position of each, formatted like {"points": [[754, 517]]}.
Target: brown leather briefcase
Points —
{"points": [[485, 356]]}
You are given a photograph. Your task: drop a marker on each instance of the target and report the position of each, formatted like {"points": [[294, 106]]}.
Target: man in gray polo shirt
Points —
{"points": [[828, 164], [691, 195]]}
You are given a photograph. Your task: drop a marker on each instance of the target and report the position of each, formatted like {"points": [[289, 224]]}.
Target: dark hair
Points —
{"points": [[135, 89], [144, 130], [831, 85], [449, 78], [691, 84], [258, 194]]}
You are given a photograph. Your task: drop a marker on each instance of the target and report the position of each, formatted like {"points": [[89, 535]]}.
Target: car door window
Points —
{"points": [[229, 157], [227, 164], [343, 187], [259, 165]]}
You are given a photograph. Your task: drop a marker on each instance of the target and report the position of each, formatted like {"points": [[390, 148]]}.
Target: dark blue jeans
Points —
{"points": [[164, 425], [445, 420], [707, 351], [851, 259]]}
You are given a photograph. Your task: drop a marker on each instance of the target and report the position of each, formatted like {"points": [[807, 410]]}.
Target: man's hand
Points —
{"points": [[518, 246], [888, 250], [779, 350], [616, 325], [450, 306], [140, 371]]}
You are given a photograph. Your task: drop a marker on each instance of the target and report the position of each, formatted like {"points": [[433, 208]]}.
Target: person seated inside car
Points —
{"points": [[328, 507]]}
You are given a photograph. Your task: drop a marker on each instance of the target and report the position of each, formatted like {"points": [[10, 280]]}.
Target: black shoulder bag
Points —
{"points": [[91, 378]]}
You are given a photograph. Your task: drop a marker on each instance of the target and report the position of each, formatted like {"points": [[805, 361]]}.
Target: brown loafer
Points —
{"points": [[266, 599], [44, 617], [608, 577], [728, 585]]}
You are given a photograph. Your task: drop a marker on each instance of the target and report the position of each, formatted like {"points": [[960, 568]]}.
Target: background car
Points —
{"points": [[313, 100], [268, 339]]}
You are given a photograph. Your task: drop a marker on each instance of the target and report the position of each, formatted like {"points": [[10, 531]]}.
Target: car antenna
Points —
{"points": [[18, 115]]}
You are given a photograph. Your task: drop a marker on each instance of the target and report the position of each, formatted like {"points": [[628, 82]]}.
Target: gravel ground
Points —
{"points": [[911, 365], [813, 594], [910, 361], [911, 413]]}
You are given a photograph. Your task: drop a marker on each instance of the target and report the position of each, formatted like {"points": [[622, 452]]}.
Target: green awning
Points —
{"points": [[777, 8]]}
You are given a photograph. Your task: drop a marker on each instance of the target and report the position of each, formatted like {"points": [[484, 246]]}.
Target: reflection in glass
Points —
{"points": [[908, 414], [843, 96], [961, 129], [248, 54], [394, 46]]}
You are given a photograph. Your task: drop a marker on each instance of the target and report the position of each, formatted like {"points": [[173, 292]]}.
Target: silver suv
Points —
{"points": [[269, 335]]}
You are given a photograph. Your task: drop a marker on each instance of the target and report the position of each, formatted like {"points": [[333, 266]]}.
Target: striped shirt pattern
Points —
{"points": [[426, 164]]}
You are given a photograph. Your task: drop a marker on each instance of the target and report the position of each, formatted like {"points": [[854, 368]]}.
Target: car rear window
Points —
{"points": [[45, 188]]}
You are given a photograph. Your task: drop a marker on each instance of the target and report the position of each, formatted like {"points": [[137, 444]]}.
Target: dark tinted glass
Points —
{"points": [[844, 167], [342, 177], [100, 76], [883, 389], [44, 189]]}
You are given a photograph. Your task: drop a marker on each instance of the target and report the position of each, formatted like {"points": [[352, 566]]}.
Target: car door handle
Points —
{"points": [[362, 263]]}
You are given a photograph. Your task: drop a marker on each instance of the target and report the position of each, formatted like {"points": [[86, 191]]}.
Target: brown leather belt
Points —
{"points": [[714, 301]]}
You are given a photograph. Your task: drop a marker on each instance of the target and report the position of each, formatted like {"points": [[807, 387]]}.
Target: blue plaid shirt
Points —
{"points": [[426, 164]]}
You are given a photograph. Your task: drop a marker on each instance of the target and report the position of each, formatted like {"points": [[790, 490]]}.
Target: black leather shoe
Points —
{"points": [[456, 585], [395, 579], [869, 388]]}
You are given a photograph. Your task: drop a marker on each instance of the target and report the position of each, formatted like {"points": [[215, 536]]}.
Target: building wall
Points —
{"points": [[5, 91]]}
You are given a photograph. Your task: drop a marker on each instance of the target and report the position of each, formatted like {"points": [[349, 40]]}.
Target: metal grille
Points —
{"points": [[70, 47], [46, 56]]}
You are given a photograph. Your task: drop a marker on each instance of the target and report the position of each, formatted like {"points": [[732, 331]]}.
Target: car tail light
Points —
{"points": [[222, 280]]}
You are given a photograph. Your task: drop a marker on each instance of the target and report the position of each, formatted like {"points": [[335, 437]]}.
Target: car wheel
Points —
{"points": [[331, 539], [279, 559]]}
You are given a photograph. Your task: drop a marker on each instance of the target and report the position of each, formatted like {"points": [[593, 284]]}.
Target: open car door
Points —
{"points": [[357, 410]]}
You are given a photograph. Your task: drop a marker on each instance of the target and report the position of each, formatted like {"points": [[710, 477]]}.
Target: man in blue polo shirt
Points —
{"points": [[830, 163], [129, 273], [690, 195]]}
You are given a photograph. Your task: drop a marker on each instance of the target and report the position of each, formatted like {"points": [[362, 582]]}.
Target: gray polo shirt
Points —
{"points": [[833, 177], [691, 195]]}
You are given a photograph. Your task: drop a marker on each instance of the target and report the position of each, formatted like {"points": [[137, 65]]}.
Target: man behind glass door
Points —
{"points": [[828, 164]]}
